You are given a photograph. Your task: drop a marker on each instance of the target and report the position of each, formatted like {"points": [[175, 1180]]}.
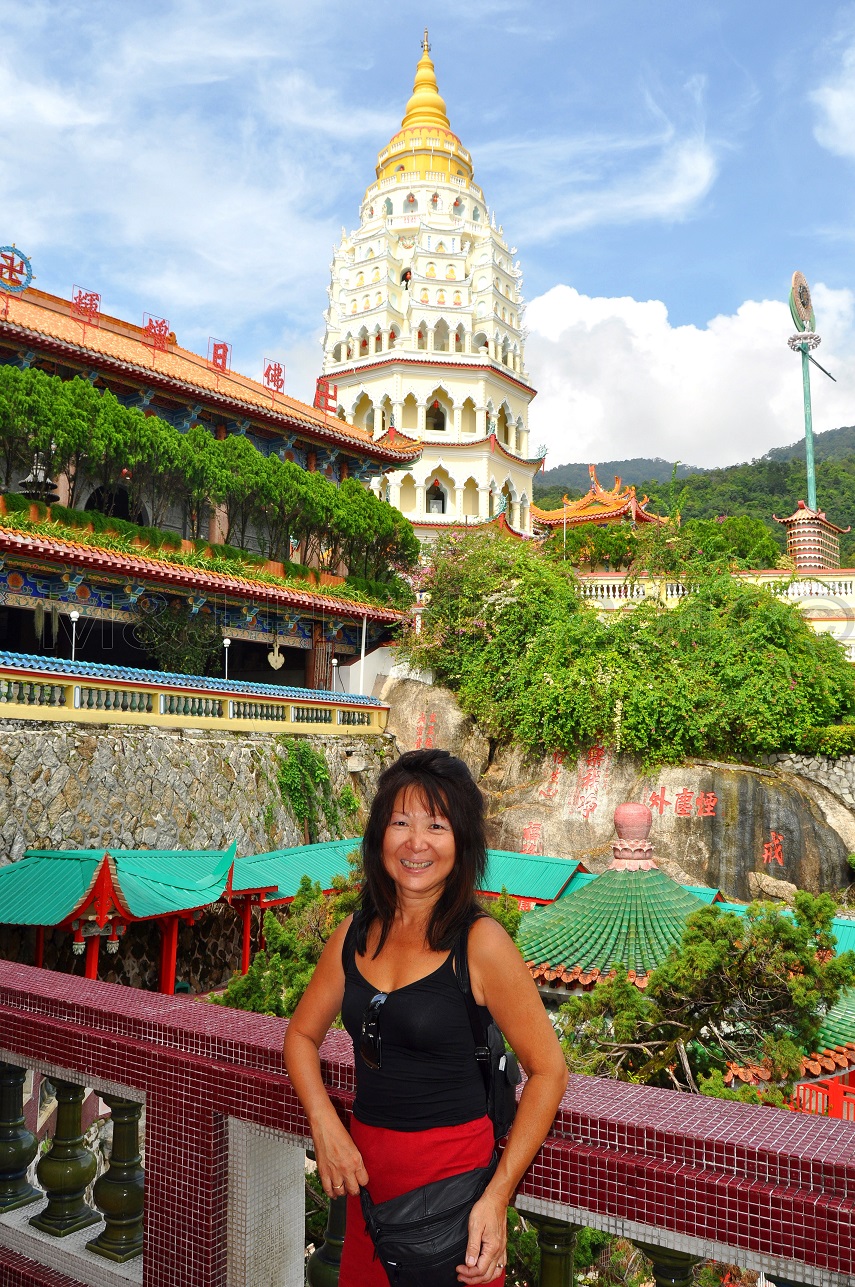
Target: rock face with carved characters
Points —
{"points": [[744, 829]]}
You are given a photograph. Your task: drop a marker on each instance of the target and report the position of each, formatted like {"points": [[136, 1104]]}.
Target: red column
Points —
{"points": [[168, 953], [40, 947], [93, 942], [246, 917]]}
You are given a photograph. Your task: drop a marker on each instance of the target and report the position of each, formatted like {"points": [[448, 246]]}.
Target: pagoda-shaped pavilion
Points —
{"points": [[619, 505], [628, 919]]}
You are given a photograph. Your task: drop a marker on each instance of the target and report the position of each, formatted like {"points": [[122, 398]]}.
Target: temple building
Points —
{"points": [[598, 505], [424, 330]]}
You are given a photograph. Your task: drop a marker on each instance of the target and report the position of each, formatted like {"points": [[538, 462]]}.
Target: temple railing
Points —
{"points": [[681, 1176], [46, 688]]}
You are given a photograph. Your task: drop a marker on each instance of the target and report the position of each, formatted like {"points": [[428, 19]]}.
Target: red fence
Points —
{"points": [[764, 1188]]}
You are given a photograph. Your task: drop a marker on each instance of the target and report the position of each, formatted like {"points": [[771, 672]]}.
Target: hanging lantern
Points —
{"points": [[411, 200], [78, 947], [113, 940]]}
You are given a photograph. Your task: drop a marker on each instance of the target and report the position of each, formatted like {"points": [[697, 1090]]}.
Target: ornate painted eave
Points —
{"points": [[184, 375], [599, 506], [166, 575]]}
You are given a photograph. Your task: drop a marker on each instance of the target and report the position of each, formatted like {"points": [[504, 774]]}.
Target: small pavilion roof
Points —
{"points": [[803, 514], [50, 886], [624, 918], [529, 875], [281, 870], [599, 506]]}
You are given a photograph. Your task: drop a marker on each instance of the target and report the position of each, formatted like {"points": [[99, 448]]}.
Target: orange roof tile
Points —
{"points": [[36, 316], [599, 506]]}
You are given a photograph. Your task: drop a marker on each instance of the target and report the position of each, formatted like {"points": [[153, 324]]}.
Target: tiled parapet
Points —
{"points": [[764, 1188]]}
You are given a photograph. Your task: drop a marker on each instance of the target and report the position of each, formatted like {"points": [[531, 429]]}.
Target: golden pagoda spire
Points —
{"points": [[426, 106]]}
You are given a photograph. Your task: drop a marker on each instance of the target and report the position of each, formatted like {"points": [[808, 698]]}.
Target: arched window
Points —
{"points": [[434, 201], [450, 273], [360, 279], [435, 420], [411, 204], [476, 214], [457, 298], [430, 271], [440, 250], [435, 498], [440, 296], [424, 297], [387, 206], [406, 277]]}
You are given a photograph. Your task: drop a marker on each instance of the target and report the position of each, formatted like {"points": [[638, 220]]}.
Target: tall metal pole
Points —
{"points": [[809, 461]]}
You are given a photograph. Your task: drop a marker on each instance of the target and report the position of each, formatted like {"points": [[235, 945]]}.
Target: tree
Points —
{"points": [[744, 990], [182, 642], [24, 403], [734, 671], [244, 469]]}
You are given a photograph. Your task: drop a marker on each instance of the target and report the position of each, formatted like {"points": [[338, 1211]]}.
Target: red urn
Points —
{"points": [[633, 821]]}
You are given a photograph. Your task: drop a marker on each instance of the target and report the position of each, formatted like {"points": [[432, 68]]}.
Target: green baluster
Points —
{"points": [[556, 1240], [670, 1268], [325, 1260], [119, 1191], [66, 1170], [18, 1146]]}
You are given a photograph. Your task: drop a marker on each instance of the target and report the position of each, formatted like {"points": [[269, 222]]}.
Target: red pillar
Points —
{"points": [[93, 942], [168, 954], [246, 917], [40, 947]]}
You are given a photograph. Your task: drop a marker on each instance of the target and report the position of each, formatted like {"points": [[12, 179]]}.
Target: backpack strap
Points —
{"points": [[473, 1010]]}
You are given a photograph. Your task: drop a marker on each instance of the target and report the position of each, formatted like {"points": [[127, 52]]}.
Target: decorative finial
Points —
{"points": [[426, 42], [632, 850]]}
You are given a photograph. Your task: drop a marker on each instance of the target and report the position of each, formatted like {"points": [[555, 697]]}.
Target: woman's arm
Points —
{"points": [[339, 1160], [501, 981]]}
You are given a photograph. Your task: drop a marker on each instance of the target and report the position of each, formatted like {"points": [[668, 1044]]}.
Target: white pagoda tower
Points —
{"points": [[424, 330]]}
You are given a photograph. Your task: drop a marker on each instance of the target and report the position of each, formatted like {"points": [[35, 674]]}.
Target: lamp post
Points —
{"points": [[74, 617], [227, 643], [334, 672], [806, 339]]}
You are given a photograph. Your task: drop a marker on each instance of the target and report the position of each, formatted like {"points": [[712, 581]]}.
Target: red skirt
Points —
{"points": [[400, 1160]]}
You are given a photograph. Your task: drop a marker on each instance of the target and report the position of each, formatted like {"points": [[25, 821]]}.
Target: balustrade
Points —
{"points": [[311, 715], [680, 1176], [21, 692], [18, 1146]]}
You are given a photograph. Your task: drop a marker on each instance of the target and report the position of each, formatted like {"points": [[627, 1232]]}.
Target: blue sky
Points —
{"points": [[662, 167]]}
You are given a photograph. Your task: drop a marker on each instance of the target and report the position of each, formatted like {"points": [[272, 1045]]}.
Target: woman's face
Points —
{"points": [[418, 846]]}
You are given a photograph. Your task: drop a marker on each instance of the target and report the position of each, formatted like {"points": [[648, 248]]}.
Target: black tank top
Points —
{"points": [[429, 1076]]}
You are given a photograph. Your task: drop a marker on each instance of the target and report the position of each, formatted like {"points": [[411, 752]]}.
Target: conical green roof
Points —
{"points": [[623, 918], [838, 1026]]}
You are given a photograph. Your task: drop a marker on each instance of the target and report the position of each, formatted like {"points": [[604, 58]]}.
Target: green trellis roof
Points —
{"points": [[281, 869], [628, 918], [47, 885], [529, 875], [838, 1026]]}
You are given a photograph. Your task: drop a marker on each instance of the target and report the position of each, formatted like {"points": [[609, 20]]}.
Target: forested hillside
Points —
{"points": [[772, 485]]}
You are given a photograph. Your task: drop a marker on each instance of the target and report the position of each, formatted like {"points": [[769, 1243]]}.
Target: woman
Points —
{"points": [[420, 1108]]}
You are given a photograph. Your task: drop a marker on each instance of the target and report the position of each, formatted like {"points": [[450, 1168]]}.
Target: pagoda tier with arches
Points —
{"points": [[424, 330]]}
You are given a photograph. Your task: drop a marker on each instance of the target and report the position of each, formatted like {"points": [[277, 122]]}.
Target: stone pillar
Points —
{"points": [[397, 414], [118, 1193], [467, 341], [395, 494], [422, 426], [557, 1242], [483, 502], [670, 1268], [522, 443], [384, 341], [430, 338], [458, 502], [480, 422], [514, 516], [420, 501], [66, 1170], [18, 1146], [458, 420]]}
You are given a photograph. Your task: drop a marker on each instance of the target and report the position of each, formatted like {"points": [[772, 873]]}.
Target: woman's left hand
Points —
{"points": [[488, 1237]]}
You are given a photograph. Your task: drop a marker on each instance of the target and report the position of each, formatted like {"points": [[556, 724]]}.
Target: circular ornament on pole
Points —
{"points": [[801, 306], [16, 271]]}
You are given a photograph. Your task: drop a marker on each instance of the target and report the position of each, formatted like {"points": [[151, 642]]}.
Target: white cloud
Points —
{"points": [[617, 380], [835, 104]]}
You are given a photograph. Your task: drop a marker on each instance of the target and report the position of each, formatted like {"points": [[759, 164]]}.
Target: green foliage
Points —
{"points": [[78, 431], [303, 778], [833, 741], [523, 1254], [589, 546], [748, 990], [181, 642], [732, 672], [280, 974], [506, 910]]}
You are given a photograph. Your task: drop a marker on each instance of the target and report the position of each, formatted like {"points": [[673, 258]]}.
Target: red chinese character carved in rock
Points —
{"points": [[13, 271], [683, 803], [326, 395], [657, 800], [532, 838], [219, 355], [86, 305], [706, 803], [274, 376], [587, 804], [595, 755], [773, 850], [155, 332]]}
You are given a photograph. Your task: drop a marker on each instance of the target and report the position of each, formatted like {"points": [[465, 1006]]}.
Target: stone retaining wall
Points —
{"points": [[837, 776]]}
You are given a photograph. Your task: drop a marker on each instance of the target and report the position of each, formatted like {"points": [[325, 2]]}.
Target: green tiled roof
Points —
{"points": [[838, 1026], [579, 881], [629, 918], [528, 875], [282, 868], [703, 892], [47, 885]]}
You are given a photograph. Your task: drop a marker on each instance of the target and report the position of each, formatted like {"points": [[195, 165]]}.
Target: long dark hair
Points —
{"points": [[449, 791]]}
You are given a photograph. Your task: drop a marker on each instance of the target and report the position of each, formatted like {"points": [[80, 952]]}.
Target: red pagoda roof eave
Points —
{"points": [[450, 366], [270, 419], [63, 553], [807, 516]]}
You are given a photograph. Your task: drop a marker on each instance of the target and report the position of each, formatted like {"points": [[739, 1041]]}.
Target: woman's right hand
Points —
{"points": [[340, 1164]]}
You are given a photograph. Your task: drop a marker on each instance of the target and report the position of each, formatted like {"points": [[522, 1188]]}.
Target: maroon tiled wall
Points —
{"points": [[765, 1181]]}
